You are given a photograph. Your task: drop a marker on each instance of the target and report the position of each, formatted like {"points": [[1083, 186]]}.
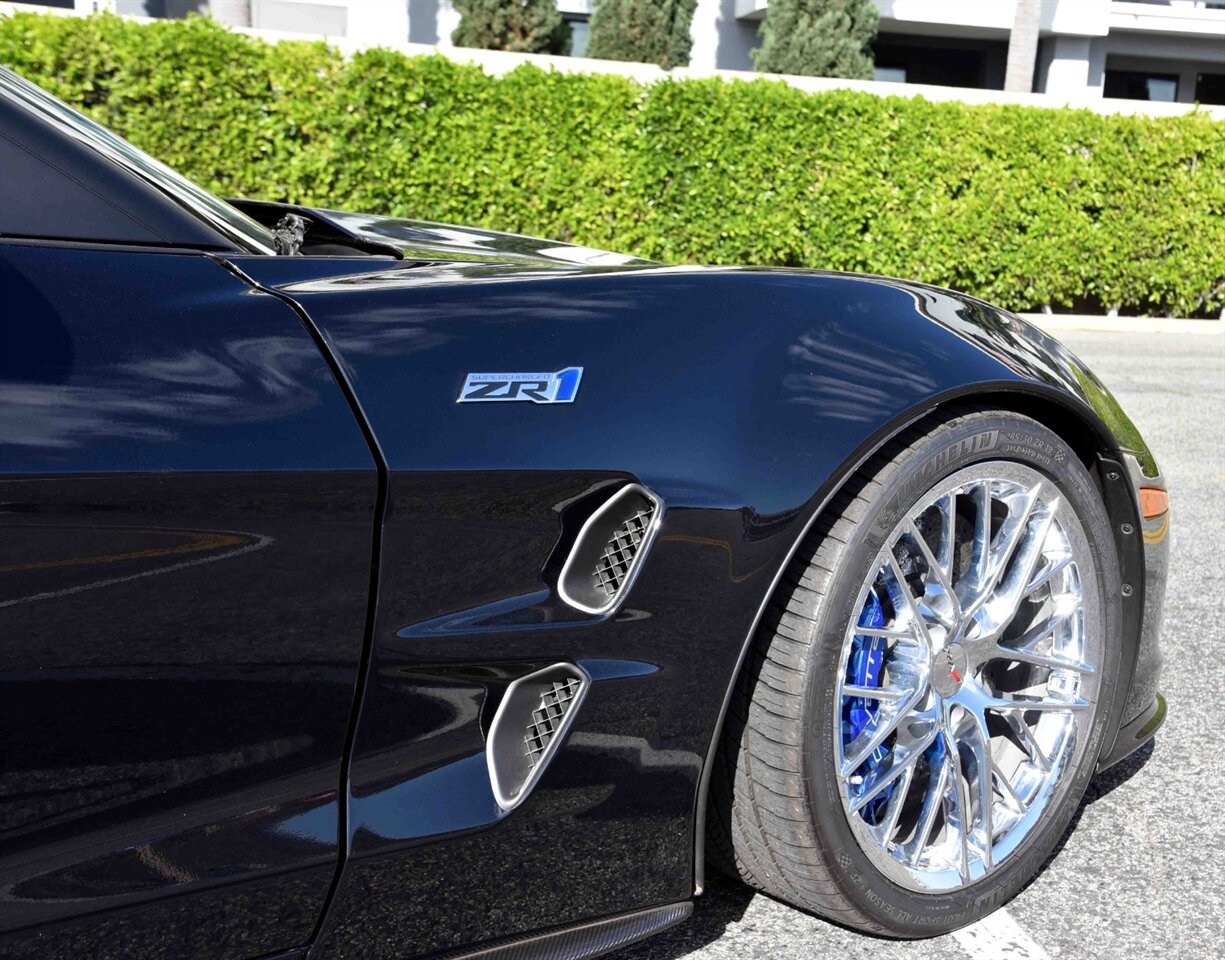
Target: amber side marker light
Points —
{"points": [[1153, 502]]}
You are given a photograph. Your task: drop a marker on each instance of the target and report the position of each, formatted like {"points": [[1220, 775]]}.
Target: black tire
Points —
{"points": [[776, 818]]}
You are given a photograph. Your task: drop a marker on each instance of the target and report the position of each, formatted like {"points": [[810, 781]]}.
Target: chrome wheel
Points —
{"points": [[968, 685]]}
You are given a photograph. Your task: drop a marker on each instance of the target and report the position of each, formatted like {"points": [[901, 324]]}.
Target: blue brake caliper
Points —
{"points": [[867, 658]]}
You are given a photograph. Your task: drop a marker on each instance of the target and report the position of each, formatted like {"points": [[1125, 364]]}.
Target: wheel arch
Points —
{"points": [[1070, 419]]}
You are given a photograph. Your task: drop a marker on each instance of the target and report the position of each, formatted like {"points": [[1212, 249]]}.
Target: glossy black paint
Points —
{"points": [[184, 571], [742, 437]]}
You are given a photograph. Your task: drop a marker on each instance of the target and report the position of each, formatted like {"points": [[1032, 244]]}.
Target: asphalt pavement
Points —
{"points": [[1142, 871]]}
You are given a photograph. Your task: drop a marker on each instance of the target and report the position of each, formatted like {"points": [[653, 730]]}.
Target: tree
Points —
{"points": [[818, 38], [1023, 46], [642, 31], [525, 26]]}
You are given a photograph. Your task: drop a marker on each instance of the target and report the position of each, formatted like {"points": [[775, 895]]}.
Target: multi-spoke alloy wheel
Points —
{"points": [[969, 679], [931, 685]]}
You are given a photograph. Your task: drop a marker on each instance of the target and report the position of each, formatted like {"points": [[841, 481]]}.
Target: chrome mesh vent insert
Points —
{"points": [[610, 549], [547, 718], [614, 564], [529, 727]]}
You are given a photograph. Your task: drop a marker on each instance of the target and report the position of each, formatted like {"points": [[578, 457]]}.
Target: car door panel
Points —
{"points": [[186, 521]]}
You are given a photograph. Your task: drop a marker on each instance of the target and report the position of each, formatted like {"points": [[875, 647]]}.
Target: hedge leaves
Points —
{"points": [[1018, 205]]}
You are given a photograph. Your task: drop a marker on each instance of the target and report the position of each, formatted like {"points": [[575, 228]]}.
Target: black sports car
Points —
{"points": [[321, 636]]}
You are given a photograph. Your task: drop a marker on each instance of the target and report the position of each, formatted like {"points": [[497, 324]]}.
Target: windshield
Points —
{"points": [[222, 217]]}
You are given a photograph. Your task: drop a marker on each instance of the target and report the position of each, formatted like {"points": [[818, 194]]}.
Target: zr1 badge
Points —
{"points": [[560, 387]]}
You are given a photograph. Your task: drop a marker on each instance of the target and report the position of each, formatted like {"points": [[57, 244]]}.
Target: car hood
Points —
{"points": [[423, 240]]}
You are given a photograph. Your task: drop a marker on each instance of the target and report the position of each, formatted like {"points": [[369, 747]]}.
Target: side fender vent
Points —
{"points": [[610, 549], [528, 728]]}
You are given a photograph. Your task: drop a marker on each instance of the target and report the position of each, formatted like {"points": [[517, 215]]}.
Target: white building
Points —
{"points": [[1150, 50]]}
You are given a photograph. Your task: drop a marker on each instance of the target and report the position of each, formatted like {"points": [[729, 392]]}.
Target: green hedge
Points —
{"points": [[1019, 205]]}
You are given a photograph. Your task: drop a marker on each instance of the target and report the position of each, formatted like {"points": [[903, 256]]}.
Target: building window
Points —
{"points": [[1210, 88], [580, 31], [1138, 85], [945, 62]]}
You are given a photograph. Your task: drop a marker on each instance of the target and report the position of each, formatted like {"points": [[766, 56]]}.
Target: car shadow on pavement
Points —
{"points": [[1109, 780], [723, 904], [725, 901], [1100, 786]]}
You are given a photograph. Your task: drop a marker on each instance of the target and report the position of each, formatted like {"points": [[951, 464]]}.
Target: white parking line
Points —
{"points": [[998, 937]]}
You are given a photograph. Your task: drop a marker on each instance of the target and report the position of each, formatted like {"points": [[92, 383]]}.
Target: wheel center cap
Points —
{"points": [[949, 667]]}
